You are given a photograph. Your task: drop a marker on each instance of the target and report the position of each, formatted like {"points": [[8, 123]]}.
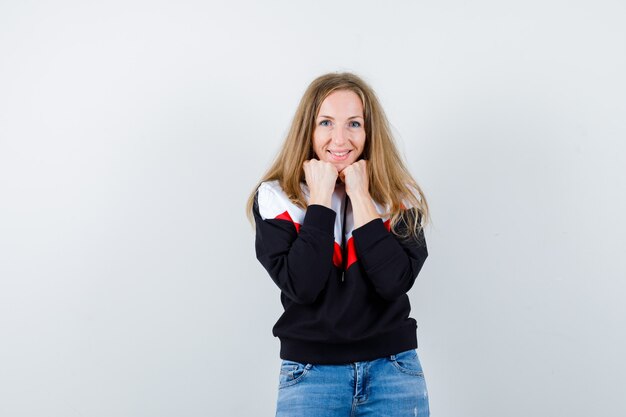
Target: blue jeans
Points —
{"points": [[389, 386]]}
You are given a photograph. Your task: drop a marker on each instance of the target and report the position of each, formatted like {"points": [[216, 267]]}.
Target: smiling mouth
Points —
{"points": [[339, 156]]}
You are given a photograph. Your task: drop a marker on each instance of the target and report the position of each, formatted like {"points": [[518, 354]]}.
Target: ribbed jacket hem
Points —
{"points": [[386, 344]]}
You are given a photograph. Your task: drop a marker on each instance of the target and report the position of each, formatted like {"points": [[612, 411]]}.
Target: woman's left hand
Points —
{"points": [[355, 178], [357, 188]]}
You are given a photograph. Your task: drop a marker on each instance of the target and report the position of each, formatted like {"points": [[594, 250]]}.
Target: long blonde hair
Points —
{"points": [[390, 183]]}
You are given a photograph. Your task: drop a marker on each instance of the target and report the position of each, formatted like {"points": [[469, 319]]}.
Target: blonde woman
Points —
{"points": [[339, 228]]}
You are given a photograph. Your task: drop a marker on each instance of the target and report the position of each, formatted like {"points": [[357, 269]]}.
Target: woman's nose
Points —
{"points": [[339, 136]]}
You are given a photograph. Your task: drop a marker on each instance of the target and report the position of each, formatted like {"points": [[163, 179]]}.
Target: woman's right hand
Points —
{"points": [[321, 178]]}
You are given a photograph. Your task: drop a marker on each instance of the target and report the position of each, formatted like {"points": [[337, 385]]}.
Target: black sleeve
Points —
{"points": [[298, 262], [391, 263]]}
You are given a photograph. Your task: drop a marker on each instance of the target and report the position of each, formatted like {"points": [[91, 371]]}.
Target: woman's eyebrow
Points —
{"points": [[330, 117]]}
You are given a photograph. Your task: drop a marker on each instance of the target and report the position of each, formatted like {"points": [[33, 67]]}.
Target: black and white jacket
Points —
{"points": [[344, 290]]}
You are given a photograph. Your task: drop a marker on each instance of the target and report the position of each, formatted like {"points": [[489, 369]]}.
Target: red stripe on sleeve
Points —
{"points": [[285, 216]]}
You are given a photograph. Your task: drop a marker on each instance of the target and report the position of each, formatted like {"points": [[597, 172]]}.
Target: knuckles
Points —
{"points": [[319, 165]]}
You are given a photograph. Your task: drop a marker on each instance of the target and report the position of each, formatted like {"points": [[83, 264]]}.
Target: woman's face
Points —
{"points": [[339, 135]]}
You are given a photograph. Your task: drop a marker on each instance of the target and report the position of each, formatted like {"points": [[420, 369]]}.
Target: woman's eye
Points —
{"points": [[325, 123], [355, 124]]}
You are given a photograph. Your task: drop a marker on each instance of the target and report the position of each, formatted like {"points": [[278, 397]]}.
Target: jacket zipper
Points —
{"points": [[343, 239]]}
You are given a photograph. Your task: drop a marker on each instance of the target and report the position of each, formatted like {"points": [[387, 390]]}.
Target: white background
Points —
{"points": [[132, 132]]}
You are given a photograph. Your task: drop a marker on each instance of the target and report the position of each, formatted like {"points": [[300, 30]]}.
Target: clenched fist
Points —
{"points": [[355, 178], [357, 187], [321, 178]]}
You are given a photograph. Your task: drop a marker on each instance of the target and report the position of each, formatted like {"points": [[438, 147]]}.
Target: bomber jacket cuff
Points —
{"points": [[320, 217], [370, 233]]}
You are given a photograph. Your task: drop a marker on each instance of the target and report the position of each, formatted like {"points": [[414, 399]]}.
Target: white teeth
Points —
{"points": [[339, 154]]}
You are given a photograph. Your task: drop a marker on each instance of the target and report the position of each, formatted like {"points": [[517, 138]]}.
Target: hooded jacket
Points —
{"points": [[343, 290]]}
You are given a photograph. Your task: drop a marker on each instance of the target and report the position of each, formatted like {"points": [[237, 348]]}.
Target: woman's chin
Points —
{"points": [[339, 165]]}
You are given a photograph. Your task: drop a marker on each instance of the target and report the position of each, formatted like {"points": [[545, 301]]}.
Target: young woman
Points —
{"points": [[339, 228]]}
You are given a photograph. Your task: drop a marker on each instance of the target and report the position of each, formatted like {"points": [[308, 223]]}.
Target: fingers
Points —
{"points": [[320, 166], [321, 178], [355, 178], [360, 166], [316, 171]]}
